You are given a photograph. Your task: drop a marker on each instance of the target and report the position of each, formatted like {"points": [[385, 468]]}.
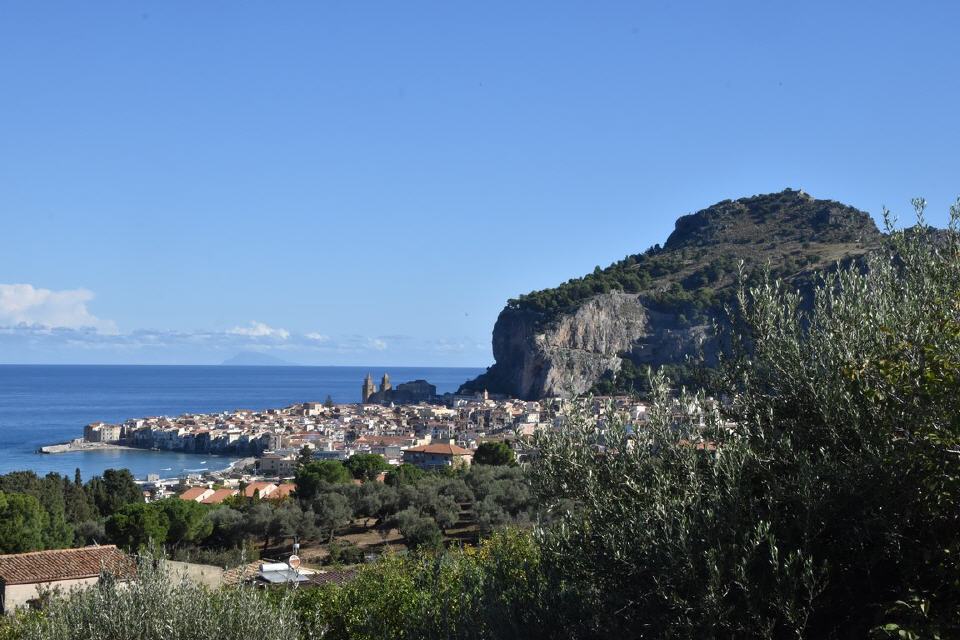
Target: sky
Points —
{"points": [[359, 182]]}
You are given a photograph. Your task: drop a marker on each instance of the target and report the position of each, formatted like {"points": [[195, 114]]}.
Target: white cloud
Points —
{"points": [[317, 337], [24, 304], [260, 330], [377, 344]]}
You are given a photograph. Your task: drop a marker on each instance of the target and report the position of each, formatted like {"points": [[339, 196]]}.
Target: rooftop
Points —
{"points": [[441, 449], [64, 564]]}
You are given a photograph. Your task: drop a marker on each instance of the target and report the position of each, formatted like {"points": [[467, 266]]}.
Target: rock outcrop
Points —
{"points": [[568, 357], [657, 308]]}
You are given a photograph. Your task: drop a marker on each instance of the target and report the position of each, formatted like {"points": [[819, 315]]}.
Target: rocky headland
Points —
{"points": [[657, 308]]}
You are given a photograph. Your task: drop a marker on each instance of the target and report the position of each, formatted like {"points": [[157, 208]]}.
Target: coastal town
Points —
{"points": [[408, 423]]}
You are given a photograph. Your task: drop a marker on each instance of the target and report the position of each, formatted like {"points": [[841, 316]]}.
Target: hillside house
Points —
{"points": [[196, 494], [218, 496], [23, 576], [434, 456], [259, 489]]}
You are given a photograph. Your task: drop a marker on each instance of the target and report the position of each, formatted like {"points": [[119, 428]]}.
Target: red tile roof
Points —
{"points": [[64, 564], [219, 496], [193, 493], [441, 449], [259, 489], [385, 441], [333, 577], [282, 491]]}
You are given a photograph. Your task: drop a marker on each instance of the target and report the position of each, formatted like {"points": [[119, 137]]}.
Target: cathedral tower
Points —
{"points": [[368, 389]]}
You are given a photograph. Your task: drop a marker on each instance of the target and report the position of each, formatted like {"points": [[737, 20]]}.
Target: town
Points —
{"points": [[404, 425], [408, 423]]}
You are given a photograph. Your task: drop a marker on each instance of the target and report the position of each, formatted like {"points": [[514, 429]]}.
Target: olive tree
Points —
{"points": [[818, 498]]}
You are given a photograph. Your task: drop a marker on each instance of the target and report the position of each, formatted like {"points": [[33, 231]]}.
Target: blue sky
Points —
{"points": [[367, 182]]}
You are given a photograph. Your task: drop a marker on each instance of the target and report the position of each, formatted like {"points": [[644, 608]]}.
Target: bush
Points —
{"points": [[156, 607], [367, 466], [419, 531], [343, 552], [494, 591]]}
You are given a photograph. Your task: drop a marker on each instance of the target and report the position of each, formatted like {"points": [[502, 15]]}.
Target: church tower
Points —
{"points": [[368, 389], [385, 383]]}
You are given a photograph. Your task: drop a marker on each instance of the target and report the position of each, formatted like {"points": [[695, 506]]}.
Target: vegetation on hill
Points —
{"points": [[789, 231], [58, 512], [684, 286], [422, 506]]}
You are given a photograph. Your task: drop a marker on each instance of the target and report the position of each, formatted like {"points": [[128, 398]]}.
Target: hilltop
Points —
{"points": [[599, 331]]}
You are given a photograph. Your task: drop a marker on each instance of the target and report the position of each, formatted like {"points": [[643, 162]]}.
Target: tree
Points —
{"points": [[490, 515], [114, 490], [290, 520], [259, 522], [49, 491], [494, 453], [418, 531], [328, 402], [22, 523], [313, 476], [404, 474], [188, 521], [376, 500], [136, 526], [79, 507], [283, 523], [366, 466], [443, 509], [153, 606], [305, 456], [333, 512], [90, 532], [228, 527], [820, 502]]}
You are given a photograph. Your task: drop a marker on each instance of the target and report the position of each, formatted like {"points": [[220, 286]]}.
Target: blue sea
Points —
{"points": [[41, 404]]}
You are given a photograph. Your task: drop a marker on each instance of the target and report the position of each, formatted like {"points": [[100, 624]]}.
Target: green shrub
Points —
{"points": [[156, 607], [343, 552], [492, 591]]}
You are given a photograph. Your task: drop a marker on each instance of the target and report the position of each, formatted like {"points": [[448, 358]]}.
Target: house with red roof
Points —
{"points": [[259, 489], [282, 491], [437, 455], [218, 496], [196, 494], [24, 577]]}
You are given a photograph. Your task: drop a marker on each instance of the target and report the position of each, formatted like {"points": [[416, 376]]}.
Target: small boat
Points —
{"points": [[167, 469], [204, 462]]}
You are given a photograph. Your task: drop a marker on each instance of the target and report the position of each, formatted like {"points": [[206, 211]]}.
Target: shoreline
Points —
{"points": [[72, 447], [235, 464]]}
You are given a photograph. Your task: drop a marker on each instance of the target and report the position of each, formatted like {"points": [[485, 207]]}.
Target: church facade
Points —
{"points": [[405, 393]]}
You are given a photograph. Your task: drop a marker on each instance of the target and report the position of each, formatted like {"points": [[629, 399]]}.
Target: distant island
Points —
{"points": [[254, 359]]}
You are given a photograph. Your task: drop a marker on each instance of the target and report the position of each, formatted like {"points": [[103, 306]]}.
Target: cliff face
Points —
{"points": [[657, 308], [568, 357]]}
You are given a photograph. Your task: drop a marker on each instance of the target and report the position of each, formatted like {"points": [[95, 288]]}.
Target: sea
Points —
{"points": [[44, 404]]}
